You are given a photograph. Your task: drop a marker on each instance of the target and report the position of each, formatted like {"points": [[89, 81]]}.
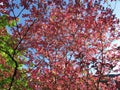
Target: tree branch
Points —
{"points": [[15, 71]]}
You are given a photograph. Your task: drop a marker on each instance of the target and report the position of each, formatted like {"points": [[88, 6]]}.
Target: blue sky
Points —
{"points": [[116, 7]]}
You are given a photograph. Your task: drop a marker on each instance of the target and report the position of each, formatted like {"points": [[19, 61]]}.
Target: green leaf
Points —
{"points": [[12, 23], [5, 22], [5, 81]]}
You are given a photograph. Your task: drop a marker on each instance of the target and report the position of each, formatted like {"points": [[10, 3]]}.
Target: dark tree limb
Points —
{"points": [[15, 71], [13, 76]]}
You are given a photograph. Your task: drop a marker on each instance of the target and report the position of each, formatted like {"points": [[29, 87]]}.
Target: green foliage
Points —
{"points": [[5, 41], [12, 23], [4, 21], [21, 83], [6, 49], [4, 81]]}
